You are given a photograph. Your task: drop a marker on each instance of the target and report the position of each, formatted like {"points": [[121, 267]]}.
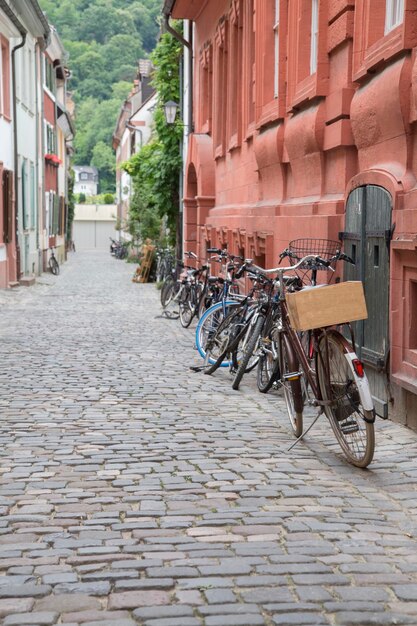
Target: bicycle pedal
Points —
{"points": [[292, 376], [349, 428]]}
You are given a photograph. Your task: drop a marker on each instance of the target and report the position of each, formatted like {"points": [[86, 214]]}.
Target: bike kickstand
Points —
{"points": [[306, 431]]}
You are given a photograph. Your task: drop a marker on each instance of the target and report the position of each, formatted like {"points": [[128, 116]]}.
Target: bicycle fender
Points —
{"points": [[362, 383]]}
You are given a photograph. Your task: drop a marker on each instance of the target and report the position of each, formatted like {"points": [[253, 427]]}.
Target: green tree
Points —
{"points": [[156, 168], [104, 40], [103, 159]]}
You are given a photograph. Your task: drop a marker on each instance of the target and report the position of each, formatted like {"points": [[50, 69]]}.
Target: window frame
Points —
{"points": [[394, 9], [314, 36], [373, 46], [5, 110], [221, 88], [303, 85], [235, 66]]}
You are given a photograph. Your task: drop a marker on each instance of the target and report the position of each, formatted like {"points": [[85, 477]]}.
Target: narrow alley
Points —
{"points": [[136, 491]]}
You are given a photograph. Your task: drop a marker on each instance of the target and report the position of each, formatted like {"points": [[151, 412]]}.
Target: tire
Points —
{"points": [[268, 368], [208, 324], [53, 266], [186, 307], [225, 340], [171, 306], [248, 351], [166, 291], [292, 389], [354, 433]]}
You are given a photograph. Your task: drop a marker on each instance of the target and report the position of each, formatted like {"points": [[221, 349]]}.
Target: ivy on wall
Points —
{"points": [[155, 169]]}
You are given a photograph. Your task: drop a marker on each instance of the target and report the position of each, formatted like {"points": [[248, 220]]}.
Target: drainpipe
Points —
{"points": [[23, 32], [188, 44]]}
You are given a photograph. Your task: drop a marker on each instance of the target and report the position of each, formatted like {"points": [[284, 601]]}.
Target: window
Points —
{"points": [[308, 60], [4, 78], [49, 75], [25, 192], [7, 197], [314, 35], [235, 74], [221, 88], [250, 47], [270, 18], [382, 30], [33, 198], [30, 101], [394, 14], [50, 138], [276, 50], [83, 176], [206, 82], [24, 74]]}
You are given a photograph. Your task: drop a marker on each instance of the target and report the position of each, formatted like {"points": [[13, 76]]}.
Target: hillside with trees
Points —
{"points": [[104, 40]]}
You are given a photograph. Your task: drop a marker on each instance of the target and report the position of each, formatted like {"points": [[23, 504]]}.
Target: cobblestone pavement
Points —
{"points": [[135, 491]]}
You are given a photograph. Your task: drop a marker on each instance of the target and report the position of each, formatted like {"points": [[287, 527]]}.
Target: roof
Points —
{"points": [[85, 168], [182, 9]]}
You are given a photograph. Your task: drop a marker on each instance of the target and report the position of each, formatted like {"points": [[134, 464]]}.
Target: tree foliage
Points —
{"points": [[104, 40], [155, 169]]}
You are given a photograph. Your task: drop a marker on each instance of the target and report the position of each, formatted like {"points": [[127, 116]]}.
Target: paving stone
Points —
{"points": [[15, 605], [81, 617], [24, 591], [25, 619], [134, 599], [309, 619], [234, 620], [174, 621], [66, 603], [175, 610]]}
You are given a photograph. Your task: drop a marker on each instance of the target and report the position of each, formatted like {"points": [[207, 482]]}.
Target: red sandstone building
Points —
{"points": [[304, 125]]}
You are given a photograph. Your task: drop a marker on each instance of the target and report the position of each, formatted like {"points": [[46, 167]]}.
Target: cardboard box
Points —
{"points": [[326, 305]]}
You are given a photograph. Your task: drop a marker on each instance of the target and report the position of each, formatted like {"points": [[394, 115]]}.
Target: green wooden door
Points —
{"points": [[367, 239]]}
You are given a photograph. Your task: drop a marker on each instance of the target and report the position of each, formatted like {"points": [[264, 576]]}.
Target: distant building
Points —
{"points": [[133, 130], [86, 180]]}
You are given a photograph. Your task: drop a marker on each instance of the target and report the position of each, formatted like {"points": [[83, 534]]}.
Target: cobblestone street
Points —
{"points": [[136, 491]]}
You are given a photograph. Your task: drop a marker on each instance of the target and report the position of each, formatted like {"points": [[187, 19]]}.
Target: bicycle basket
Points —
{"points": [[324, 248]]}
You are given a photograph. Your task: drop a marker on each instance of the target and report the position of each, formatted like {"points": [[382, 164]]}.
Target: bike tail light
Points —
{"points": [[358, 367]]}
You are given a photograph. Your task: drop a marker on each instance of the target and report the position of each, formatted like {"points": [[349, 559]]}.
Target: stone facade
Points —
{"points": [[297, 105]]}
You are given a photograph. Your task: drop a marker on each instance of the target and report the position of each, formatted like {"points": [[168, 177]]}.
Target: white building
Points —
{"points": [[12, 32], [86, 179], [133, 130]]}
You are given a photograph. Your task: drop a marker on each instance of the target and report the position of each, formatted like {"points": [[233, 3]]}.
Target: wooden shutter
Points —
{"points": [[7, 190]]}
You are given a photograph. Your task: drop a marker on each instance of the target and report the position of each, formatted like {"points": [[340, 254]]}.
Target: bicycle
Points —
{"points": [[164, 264], [224, 294], [233, 342], [180, 296], [53, 263], [338, 382], [268, 366]]}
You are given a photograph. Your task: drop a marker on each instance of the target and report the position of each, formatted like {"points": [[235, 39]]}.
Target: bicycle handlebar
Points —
{"points": [[274, 270]]}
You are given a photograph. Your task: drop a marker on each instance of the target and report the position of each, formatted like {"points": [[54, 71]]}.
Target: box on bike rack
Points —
{"points": [[326, 305]]}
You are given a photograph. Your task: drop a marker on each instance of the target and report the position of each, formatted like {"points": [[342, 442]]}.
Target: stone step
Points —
{"points": [[27, 281]]}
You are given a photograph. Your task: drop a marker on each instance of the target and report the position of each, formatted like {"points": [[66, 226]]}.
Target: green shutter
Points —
{"points": [[33, 197]]}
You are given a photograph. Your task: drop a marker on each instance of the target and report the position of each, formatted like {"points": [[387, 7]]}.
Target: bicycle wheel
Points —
{"points": [[352, 425], [172, 296], [291, 384], [208, 324], [268, 365], [221, 346], [250, 342], [53, 266], [166, 291], [186, 307]]}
